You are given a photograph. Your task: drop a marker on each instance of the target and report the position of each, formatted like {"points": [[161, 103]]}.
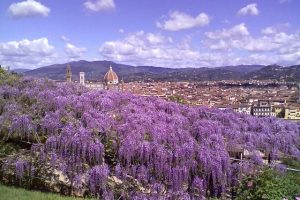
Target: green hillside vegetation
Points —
{"points": [[270, 184], [12, 193]]}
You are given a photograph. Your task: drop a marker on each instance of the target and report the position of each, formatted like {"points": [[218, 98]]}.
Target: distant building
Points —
{"points": [[69, 74], [111, 81], [94, 85], [262, 108], [222, 107], [244, 108], [278, 102], [273, 113], [82, 78], [292, 112], [89, 84]]}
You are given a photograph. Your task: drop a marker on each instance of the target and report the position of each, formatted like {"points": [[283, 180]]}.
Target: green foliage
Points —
{"points": [[27, 101], [291, 162], [2, 71], [110, 147], [177, 99], [295, 164], [2, 104], [268, 185], [12, 193], [9, 79], [7, 149], [147, 137]]}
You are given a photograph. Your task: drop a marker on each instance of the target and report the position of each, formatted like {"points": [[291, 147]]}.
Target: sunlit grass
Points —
{"points": [[12, 193]]}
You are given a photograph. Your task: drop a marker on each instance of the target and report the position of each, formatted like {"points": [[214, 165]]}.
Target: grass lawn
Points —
{"points": [[12, 193]]}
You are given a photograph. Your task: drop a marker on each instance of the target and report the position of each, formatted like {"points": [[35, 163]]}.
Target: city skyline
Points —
{"points": [[166, 34]]}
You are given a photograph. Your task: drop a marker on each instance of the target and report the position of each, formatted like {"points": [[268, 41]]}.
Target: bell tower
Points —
{"points": [[69, 73], [82, 78], [299, 93]]}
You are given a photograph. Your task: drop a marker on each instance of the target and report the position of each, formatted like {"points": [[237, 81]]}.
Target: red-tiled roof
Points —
{"points": [[110, 76]]}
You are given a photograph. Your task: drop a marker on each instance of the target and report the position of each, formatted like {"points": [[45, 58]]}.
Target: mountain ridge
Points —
{"points": [[95, 70]]}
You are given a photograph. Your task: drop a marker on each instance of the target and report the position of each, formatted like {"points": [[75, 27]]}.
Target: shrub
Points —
{"points": [[270, 185]]}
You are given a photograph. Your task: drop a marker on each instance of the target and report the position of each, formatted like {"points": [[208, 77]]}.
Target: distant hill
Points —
{"points": [[95, 70], [20, 70], [244, 69], [276, 72]]}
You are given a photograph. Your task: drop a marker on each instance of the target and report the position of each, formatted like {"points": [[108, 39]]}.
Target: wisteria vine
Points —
{"points": [[172, 150]]}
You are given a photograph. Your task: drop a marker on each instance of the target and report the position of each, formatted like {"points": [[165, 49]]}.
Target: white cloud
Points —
{"points": [[179, 21], [99, 5], [274, 46], [250, 9], [220, 45], [290, 59], [155, 38], [264, 59], [237, 31], [74, 52], [269, 30], [26, 53], [64, 38], [28, 8], [275, 29], [271, 43], [26, 47], [142, 48], [238, 37], [231, 46]]}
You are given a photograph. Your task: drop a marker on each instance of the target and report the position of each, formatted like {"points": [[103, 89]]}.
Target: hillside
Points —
{"points": [[244, 69], [276, 72], [95, 70], [20, 70]]}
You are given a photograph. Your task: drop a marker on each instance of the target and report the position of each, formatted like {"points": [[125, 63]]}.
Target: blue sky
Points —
{"points": [[167, 33]]}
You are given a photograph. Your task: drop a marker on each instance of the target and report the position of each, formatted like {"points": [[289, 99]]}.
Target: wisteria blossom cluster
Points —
{"points": [[173, 150]]}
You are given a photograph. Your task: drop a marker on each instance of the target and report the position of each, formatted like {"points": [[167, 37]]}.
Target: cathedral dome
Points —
{"points": [[111, 77]]}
